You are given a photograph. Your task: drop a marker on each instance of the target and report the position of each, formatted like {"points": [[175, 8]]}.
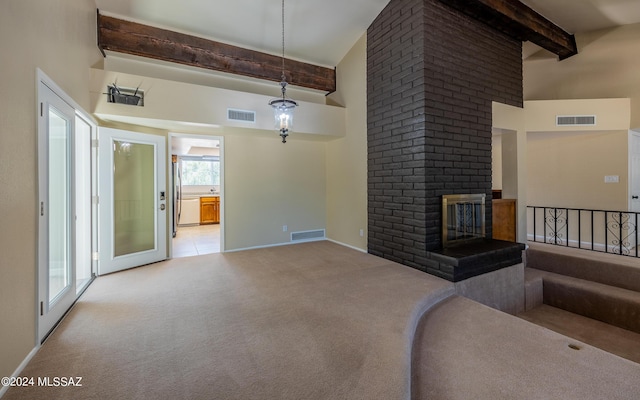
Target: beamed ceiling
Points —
{"points": [[318, 34]]}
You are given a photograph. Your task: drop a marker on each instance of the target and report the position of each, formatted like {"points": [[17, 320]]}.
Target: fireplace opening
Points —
{"points": [[462, 218]]}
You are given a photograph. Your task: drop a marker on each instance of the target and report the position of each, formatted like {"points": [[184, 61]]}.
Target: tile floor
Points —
{"points": [[196, 240]]}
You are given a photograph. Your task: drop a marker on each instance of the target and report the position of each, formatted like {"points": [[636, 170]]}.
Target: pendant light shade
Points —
{"points": [[283, 107]]}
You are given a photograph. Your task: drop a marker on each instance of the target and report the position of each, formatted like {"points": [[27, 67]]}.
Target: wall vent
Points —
{"points": [[575, 120], [307, 235], [241, 115]]}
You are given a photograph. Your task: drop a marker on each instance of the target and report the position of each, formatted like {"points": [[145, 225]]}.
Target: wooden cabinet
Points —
{"points": [[504, 219], [209, 210]]}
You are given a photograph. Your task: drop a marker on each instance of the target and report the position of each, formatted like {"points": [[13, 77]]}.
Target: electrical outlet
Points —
{"points": [[285, 228], [361, 232]]}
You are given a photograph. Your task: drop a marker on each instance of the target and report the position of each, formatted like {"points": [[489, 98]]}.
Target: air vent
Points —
{"points": [[241, 115], [307, 235], [575, 120], [128, 96]]}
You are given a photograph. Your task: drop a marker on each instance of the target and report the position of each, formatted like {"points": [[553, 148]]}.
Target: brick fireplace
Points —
{"points": [[432, 76]]}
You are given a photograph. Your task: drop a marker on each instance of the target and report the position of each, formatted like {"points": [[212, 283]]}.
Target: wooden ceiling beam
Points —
{"points": [[520, 21], [146, 41]]}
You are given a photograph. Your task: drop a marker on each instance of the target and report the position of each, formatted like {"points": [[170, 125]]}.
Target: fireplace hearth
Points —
{"points": [[473, 258]]}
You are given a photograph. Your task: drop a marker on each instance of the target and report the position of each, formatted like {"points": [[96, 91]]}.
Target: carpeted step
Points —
{"points": [[613, 305], [608, 269]]}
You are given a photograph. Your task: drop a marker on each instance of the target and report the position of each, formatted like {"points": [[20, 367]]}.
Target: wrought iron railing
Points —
{"points": [[598, 230]]}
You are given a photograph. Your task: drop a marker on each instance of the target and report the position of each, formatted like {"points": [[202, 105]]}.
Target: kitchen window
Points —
{"points": [[201, 171]]}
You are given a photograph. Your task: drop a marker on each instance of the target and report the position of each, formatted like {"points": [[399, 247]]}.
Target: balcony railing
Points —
{"points": [[613, 232]]}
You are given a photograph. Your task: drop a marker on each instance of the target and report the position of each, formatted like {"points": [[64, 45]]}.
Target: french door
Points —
{"points": [[133, 199], [56, 231]]}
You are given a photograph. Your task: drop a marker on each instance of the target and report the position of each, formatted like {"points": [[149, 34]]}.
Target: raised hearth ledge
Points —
{"points": [[473, 258]]}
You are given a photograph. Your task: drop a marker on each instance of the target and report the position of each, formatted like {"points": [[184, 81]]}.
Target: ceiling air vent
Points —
{"points": [[575, 120], [241, 115]]}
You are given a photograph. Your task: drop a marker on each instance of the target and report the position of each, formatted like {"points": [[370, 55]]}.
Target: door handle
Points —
{"points": [[634, 197]]}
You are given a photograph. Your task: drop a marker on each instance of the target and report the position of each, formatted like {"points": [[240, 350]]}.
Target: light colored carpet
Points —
{"points": [[465, 350], [307, 321], [612, 339]]}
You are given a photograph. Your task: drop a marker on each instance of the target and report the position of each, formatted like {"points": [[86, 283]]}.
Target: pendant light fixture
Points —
{"points": [[282, 106]]}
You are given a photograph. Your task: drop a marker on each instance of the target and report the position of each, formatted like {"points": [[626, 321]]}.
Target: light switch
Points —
{"points": [[611, 179]]}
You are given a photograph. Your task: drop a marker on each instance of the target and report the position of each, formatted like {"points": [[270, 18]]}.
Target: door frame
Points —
{"points": [[42, 332], [109, 262], [173, 135], [634, 136]]}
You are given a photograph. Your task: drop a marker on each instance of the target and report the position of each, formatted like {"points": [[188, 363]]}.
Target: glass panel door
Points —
{"points": [[84, 170], [56, 282], [133, 199], [59, 203]]}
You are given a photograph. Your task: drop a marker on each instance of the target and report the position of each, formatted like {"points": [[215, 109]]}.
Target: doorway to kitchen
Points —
{"points": [[197, 181]]}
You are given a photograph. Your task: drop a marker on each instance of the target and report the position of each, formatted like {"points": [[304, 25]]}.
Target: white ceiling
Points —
{"points": [[321, 32]]}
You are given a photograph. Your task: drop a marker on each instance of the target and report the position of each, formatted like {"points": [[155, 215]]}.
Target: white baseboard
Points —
{"points": [[348, 245], [573, 244], [296, 242], [275, 245], [18, 371]]}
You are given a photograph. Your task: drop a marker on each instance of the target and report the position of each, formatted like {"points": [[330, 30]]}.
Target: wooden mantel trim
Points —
{"points": [[518, 20], [146, 41]]}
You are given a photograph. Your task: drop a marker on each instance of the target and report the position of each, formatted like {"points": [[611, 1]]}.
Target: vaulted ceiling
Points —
{"points": [[321, 32]]}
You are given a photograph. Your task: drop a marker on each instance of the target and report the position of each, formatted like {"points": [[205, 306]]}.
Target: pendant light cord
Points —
{"points": [[283, 76]]}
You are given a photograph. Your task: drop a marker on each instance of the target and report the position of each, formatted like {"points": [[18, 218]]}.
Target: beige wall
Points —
{"points": [[566, 166], [269, 184], [606, 67], [568, 169], [58, 36], [347, 158], [186, 107]]}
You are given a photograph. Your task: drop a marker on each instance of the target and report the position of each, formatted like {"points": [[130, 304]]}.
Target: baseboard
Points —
{"points": [[348, 245], [274, 245], [296, 242], [18, 371], [573, 244]]}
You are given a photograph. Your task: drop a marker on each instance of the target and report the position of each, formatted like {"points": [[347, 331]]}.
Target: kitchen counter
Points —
{"points": [[187, 196]]}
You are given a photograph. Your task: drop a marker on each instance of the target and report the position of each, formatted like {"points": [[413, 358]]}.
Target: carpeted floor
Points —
{"points": [[465, 350], [612, 339], [307, 321]]}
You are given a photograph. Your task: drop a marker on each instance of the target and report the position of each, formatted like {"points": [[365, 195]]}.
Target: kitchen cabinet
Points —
{"points": [[209, 210], [504, 219]]}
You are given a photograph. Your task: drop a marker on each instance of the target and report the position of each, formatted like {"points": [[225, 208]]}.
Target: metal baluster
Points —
{"points": [[566, 214], [620, 232], [592, 235], [606, 232], [579, 229]]}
